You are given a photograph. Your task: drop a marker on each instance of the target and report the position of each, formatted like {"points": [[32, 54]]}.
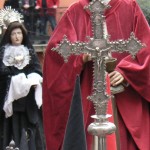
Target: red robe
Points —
{"points": [[133, 104], [59, 78]]}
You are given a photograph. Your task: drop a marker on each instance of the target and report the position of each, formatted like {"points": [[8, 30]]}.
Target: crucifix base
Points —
{"points": [[101, 128]]}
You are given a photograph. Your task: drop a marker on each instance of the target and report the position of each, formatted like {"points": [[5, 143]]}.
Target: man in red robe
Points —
{"points": [[122, 18], [133, 103]]}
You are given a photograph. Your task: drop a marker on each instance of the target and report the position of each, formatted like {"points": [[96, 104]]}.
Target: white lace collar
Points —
{"points": [[17, 56]]}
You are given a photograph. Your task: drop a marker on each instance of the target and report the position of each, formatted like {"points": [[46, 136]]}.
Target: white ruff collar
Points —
{"points": [[17, 56]]}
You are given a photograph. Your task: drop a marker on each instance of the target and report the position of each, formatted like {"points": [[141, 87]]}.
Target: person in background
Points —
{"points": [[47, 10], [133, 104], [20, 87], [13, 3], [31, 17]]}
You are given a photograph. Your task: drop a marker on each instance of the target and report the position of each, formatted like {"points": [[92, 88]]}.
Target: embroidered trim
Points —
{"points": [[17, 56]]}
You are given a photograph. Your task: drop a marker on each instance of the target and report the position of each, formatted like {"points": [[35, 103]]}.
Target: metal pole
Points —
{"points": [[95, 143], [102, 143], [101, 128]]}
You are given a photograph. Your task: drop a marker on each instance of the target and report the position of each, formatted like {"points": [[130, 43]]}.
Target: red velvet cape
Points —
{"points": [[122, 18], [133, 104]]}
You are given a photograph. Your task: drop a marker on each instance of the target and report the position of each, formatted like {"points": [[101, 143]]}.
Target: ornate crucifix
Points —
{"points": [[99, 47]]}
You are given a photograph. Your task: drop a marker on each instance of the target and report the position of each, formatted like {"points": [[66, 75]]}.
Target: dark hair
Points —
{"points": [[6, 39]]}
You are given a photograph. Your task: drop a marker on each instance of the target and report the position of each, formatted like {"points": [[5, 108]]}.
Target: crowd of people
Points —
{"points": [[35, 103]]}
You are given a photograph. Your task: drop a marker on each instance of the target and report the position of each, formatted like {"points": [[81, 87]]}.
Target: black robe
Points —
{"points": [[25, 125]]}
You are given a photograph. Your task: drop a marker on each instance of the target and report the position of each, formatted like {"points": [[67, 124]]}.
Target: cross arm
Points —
{"points": [[132, 45], [66, 48]]}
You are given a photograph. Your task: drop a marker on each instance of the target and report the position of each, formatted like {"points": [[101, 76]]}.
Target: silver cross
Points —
{"points": [[99, 47]]}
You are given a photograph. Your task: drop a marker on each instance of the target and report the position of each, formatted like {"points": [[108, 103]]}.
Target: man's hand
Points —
{"points": [[55, 6], [115, 78], [86, 58]]}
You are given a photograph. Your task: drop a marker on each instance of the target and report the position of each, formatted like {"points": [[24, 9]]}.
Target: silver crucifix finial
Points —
{"points": [[100, 48], [12, 146]]}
